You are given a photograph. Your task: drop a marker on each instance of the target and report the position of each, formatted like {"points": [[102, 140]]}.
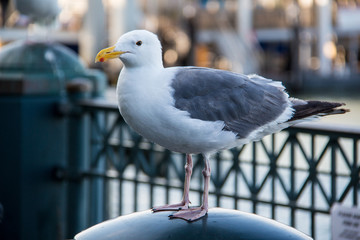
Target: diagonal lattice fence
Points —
{"points": [[294, 176]]}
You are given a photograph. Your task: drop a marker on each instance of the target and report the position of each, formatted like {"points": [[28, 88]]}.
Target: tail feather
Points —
{"points": [[304, 109]]}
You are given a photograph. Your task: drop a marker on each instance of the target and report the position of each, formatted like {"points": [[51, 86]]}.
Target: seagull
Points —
{"points": [[196, 110]]}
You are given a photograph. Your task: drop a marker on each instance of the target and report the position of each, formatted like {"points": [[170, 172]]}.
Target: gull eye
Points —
{"points": [[138, 43]]}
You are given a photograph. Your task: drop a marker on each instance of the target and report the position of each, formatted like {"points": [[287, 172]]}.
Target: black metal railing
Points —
{"points": [[294, 176]]}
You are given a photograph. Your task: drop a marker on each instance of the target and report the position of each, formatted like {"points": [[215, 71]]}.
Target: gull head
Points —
{"points": [[138, 48]]}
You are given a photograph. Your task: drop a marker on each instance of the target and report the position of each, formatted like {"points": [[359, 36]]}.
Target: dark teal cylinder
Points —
{"points": [[35, 140]]}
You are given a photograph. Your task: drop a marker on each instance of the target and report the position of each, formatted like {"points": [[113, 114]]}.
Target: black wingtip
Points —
{"points": [[317, 108]]}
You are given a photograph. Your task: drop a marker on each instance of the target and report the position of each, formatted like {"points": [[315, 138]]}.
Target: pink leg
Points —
{"points": [[184, 204], [196, 213]]}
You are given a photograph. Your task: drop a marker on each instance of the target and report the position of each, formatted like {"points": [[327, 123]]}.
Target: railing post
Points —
{"points": [[355, 172], [78, 125], [333, 145], [292, 198], [254, 190], [97, 185]]}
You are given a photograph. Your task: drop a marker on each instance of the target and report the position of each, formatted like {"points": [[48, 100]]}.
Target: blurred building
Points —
{"points": [[297, 41]]}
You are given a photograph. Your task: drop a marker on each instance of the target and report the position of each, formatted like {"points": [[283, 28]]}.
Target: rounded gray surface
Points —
{"points": [[217, 224]]}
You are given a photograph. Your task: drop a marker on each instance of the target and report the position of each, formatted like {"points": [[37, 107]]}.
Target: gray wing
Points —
{"points": [[244, 103]]}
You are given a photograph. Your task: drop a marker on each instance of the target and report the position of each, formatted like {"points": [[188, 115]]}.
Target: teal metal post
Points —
{"points": [[32, 143], [34, 138]]}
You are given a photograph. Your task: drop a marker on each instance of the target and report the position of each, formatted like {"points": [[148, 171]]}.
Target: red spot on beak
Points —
{"points": [[102, 59]]}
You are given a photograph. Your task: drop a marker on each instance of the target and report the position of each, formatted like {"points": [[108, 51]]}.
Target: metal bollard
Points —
{"points": [[217, 224]]}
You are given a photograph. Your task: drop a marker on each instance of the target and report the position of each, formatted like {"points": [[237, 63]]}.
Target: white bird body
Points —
{"points": [[174, 130], [199, 110], [150, 90]]}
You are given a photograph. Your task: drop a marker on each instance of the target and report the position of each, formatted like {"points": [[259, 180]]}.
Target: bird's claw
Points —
{"points": [[171, 207], [191, 214]]}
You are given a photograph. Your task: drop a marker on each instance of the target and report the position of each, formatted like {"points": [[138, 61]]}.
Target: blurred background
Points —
{"points": [[312, 46], [68, 160]]}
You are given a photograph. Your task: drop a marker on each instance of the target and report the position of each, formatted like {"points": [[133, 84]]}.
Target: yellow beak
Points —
{"points": [[107, 53]]}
